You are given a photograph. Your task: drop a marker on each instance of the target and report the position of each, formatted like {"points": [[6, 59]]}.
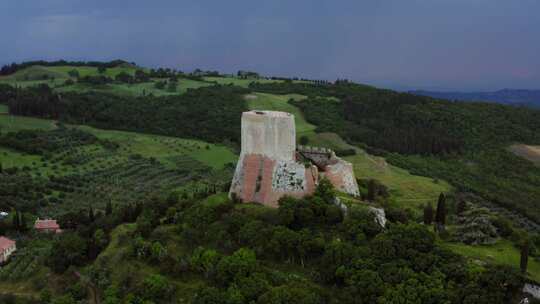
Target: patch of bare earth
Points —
{"points": [[531, 153], [250, 97]]}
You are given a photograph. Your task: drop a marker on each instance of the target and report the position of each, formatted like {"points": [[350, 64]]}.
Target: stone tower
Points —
{"points": [[269, 166]]}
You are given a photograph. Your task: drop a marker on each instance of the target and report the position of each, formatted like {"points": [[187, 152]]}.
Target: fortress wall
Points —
{"points": [[269, 133], [341, 175], [261, 179], [267, 168]]}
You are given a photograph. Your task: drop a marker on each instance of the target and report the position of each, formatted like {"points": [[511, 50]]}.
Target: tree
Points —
{"points": [[102, 69], [91, 215], [22, 223], [205, 261], [440, 217], [16, 223], [461, 206], [171, 87], [156, 287], [141, 76], [372, 189], [68, 249], [240, 264], [428, 214], [74, 73], [124, 77], [160, 85], [304, 140], [524, 257], [100, 239], [108, 209]]}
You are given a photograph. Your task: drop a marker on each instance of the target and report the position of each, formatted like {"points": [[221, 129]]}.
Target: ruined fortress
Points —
{"points": [[271, 166]]}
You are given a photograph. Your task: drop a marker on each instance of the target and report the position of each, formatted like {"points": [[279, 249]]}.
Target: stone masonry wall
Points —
{"points": [[267, 168]]}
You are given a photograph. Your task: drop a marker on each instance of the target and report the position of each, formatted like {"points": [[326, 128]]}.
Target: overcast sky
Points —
{"points": [[402, 44]]}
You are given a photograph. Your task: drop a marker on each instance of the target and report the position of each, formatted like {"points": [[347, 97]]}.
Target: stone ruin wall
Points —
{"points": [[268, 168], [341, 175]]}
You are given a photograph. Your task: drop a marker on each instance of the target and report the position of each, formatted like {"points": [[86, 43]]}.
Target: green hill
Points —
{"points": [[137, 169]]}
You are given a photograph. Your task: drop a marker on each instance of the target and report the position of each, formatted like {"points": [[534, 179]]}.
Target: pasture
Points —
{"points": [[503, 253]]}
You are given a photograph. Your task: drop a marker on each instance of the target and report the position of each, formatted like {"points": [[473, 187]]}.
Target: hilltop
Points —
{"points": [[138, 174]]}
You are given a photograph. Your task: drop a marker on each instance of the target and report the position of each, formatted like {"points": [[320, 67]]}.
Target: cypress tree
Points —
{"points": [[461, 206], [428, 214], [22, 222], [371, 190], [440, 217], [91, 214], [16, 222], [524, 257], [108, 209]]}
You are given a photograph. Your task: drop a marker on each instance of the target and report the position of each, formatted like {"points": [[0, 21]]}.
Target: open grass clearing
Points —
{"points": [[409, 190], [12, 123], [503, 252]]}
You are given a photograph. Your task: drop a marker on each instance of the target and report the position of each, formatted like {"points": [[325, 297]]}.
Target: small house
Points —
{"points": [[7, 247], [48, 226]]}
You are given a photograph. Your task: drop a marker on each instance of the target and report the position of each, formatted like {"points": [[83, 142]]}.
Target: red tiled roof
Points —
{"points": [[46, 224], [5, 243]]}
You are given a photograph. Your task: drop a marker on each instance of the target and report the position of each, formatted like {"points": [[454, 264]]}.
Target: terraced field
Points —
{"points": [[122, 167], [10, 123]]}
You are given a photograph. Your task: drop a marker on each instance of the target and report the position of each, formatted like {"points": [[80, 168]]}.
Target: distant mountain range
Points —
{"points": [[528, 98]]}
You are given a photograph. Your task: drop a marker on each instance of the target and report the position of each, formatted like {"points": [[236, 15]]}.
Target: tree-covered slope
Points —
{"points": [[463, 143]]}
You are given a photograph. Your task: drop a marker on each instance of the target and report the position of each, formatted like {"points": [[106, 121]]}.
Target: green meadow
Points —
{"points": [[503, 252]]}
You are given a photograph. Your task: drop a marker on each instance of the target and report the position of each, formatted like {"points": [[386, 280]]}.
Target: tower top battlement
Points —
{"points": [[269, 133]]}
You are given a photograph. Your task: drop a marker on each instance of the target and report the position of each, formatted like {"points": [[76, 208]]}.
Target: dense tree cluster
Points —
{"points": [[462, 143], [210, 113], [14, 67], [40, 142], [349, 259]]}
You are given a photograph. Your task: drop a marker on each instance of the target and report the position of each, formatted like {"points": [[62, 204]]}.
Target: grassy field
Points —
{"points": [[38, 73], [503, 252], [56, 77], [409, 190], [9, 123], [4, 109], [329, 140], [136, 89], [164, 148]]}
